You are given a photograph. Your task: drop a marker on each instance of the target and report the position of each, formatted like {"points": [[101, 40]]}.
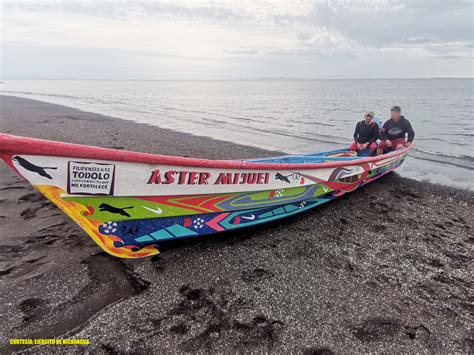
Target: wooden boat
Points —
{"points": [[129, 202]]}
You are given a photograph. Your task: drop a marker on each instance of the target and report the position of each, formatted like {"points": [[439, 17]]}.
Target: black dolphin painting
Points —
{"points": [[40, 170], [281, 177], [105, 207]]}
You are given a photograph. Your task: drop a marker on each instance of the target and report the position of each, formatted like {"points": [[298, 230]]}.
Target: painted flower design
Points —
{"points": [[279, 193], [110, 227], [198, 223], [302, 204], [296, 177]]}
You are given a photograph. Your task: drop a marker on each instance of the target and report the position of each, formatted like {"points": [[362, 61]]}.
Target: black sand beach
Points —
{"points": [[383, 269]]}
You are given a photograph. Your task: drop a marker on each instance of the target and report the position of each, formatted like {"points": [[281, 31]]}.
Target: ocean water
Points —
{"points": [[289, 115]]}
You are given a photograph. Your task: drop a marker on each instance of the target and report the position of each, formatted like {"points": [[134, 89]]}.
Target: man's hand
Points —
{"points": [[364, 146], [407, 144], [359, 146], [388, 142]]}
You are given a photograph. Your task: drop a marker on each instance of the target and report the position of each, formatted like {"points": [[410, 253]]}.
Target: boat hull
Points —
{"points": [[130, 202]]}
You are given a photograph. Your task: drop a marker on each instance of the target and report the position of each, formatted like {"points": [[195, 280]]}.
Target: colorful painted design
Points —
{"points": [[91, 226], [130, 208], [131, 202], [140, 233]]}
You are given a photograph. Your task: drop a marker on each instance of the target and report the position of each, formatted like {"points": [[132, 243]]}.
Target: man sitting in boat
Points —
{"points": [[394, 131], [365, 135]]}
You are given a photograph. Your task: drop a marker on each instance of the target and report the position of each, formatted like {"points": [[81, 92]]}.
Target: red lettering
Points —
{"points": [[252, 178], [169, 177], [203, 178], [192, 180], [155, 177], [236, 178], [223, 178], [182, 177], [267, 175]]}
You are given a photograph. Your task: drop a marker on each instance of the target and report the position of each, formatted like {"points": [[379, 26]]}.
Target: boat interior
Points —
{"points": [[314, 158]]}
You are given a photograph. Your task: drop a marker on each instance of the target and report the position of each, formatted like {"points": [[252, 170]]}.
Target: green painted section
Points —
{"points": [[260, 196], [143, 209], [294, 191], [322, 190], [138, 210], [289, 192]]}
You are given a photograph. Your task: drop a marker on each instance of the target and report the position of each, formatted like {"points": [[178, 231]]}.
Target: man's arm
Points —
{"points": [[375, 135], [356, 132], [383, 132], [410, 131]]}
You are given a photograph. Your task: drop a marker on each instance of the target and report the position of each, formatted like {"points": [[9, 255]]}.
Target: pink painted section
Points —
{"points": [[10, 144], [214, 223]]}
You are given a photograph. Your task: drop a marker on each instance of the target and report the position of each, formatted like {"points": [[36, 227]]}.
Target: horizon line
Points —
{"points": [[245, 79]]}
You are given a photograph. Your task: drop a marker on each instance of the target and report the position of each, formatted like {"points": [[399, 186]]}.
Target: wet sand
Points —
{"points": [[384, 269]]}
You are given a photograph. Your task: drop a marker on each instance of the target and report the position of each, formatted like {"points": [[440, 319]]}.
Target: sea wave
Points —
{"points": [[460, 161], [446, 155]]}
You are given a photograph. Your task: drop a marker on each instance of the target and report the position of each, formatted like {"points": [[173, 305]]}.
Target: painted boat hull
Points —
{"points": [[130, 202]]}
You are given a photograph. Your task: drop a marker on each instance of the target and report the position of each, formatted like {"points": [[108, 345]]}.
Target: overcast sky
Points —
{"points": [[236, 39]]}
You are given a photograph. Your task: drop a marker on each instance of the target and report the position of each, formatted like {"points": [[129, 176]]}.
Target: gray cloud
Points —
{"points": [[356, 33], [369, 23], [395, 23], [129, 9]]}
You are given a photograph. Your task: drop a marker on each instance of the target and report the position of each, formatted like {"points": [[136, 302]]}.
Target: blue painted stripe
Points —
{"points": [[145, 238], [180, 231], [161, 234], [291, 208], [279, 211]]}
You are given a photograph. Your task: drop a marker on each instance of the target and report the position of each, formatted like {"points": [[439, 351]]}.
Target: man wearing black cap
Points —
{"points": [[366, 135], [394, 131]]}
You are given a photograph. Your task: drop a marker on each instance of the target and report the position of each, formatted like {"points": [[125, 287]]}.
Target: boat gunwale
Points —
{"points": [[11, 144]]}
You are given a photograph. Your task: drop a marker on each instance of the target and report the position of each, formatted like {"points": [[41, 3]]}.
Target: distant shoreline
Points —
{"points": [[237, 79]]}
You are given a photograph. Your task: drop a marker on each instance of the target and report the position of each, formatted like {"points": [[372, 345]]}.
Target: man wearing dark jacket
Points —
{"points": [[393, 133], [365, 135]]}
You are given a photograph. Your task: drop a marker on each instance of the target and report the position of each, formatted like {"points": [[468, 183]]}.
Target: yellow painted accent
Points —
{"points": [[74, 210]]}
